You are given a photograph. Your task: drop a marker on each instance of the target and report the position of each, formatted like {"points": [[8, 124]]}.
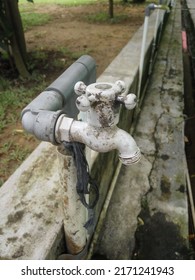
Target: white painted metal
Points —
{"points": [[75, 214], [142, 55], [148, 10], [101, 102]]}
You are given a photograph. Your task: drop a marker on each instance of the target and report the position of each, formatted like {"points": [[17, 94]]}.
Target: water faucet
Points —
{"points": [[100, 102]]}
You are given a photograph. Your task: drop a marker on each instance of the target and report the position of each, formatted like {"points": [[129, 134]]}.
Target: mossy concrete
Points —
{"points": [[151, 222]]}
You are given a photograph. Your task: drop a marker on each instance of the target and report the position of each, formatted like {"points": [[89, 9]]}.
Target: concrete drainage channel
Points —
{"points": [[188, 17], [157, 205], [132, 200]]}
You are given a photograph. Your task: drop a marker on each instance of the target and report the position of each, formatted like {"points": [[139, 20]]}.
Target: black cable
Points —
{"points": [[85, 184]]}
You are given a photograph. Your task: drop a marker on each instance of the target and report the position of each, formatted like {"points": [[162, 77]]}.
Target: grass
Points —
{"points": [[14, 148], [30, 18], [34, 19], [12, 99], [103, 17], [64, 2]]}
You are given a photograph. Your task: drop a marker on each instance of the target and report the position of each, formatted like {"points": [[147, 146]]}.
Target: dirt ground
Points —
{"points": [[72, 32], [71, 29]]}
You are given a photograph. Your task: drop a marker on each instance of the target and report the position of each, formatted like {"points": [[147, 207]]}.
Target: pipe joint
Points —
{"points": [[152, 7], [41, 124]]}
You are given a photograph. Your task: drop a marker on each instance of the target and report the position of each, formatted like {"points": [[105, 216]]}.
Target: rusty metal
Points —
{"points": [[75, 214]]}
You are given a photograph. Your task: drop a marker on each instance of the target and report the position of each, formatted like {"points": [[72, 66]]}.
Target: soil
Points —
{"points": [[72, 29], [70, 33]]}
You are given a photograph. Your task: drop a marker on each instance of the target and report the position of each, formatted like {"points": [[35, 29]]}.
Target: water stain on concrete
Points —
{"points": [[165, 186], [159, 239], [19, 253], [15, 217]]}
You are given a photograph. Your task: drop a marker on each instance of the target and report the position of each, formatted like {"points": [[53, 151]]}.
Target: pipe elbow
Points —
{"points": [[41, 124], [28, 121], [149, 8]]}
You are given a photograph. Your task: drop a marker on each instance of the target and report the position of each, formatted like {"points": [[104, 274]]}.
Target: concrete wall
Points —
{"points": [[31, 214]]}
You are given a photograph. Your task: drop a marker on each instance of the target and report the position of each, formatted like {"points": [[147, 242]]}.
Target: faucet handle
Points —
{"points": [[121, 85], [82, 103], [80, 88], [130, 100]]}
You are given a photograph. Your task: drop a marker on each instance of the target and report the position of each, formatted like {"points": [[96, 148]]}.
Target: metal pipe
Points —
{"points": [[141, 64], [75, 214], [191, 200], [154, 38], [148, 10]]}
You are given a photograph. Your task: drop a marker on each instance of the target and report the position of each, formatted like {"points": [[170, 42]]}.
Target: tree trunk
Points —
{"points": [[17, 40], [111, 8]]}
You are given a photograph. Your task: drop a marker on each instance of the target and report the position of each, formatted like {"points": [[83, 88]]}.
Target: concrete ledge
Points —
{"points": [[154, 216], [191, 7], [30, 212], [31, 218]]}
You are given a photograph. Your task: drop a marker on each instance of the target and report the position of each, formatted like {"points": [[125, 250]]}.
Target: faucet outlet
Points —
{"points": [[101, 103]]}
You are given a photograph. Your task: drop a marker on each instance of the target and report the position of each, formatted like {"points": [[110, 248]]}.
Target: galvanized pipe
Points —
{"points": [[75, 214], [148, 10], [155, 38], [141, 64]]}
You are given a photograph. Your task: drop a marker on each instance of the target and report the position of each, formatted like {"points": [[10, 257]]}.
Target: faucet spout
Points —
{"points": [[129, 153], [99, 139]]}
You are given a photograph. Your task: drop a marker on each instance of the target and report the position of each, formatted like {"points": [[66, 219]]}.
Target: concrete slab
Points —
{"points": [[26, 212]]}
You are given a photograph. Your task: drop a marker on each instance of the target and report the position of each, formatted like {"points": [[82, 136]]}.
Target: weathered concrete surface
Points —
{"points": [[148, 213], [191, 7], [31, 217]]}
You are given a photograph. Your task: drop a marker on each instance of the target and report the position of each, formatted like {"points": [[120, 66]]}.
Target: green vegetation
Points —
{"points": [[104, 17], [13, 98], [34, 19], [65, 2]]}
